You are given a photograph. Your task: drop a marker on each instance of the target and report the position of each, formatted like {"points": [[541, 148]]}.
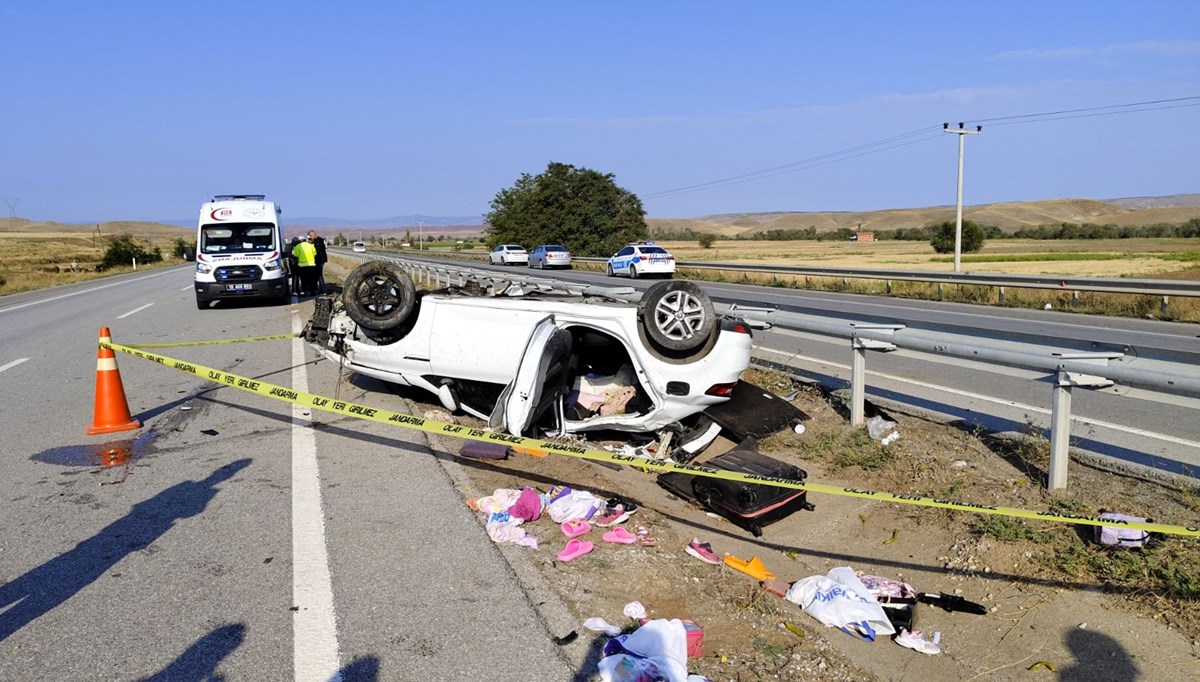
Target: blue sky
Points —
{"points": [[361, 110]]}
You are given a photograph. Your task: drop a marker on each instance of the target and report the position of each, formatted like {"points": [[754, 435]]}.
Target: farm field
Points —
{"points": [[36, 255], [1143, 258]]}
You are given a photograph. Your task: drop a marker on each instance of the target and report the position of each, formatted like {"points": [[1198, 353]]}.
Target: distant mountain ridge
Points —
{"points": [[1008, 216]]}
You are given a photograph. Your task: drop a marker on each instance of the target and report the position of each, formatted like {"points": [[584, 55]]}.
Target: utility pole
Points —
{"points": [[12, 207], [961, 131]]}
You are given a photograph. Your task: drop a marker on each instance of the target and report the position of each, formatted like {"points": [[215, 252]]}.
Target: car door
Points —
{"points": [[540, 381], [622, 259]]}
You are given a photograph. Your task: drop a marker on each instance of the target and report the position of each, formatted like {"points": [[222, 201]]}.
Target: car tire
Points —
{"points": [[677, 316], [379, 296], [202, 303]]}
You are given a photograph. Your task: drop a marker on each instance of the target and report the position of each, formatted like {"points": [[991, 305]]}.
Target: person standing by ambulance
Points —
{"points": [[322, 258], [306, 260]]}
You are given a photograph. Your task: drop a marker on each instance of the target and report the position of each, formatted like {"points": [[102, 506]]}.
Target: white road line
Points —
{"points": [[135, 310], [84, 291], [998, 401], [12, 364], [314, 628], [188, 287]]}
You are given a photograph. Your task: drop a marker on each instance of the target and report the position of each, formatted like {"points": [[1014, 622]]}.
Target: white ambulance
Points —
{"points": [[240, 250]]}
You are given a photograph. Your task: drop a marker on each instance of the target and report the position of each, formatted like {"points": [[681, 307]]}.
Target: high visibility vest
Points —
{"points": [[306, 254]]}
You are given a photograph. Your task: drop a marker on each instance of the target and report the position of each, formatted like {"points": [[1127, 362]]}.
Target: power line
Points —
{"points": [[884, 144], [1075, 111], [738, 180]]}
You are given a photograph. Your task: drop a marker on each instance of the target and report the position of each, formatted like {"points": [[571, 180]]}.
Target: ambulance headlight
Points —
{"points": [[203, 268], [272, 265]]}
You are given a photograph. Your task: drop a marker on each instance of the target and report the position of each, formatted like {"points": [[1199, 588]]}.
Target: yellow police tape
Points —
{"points": [[445, 428], [178, 344]]}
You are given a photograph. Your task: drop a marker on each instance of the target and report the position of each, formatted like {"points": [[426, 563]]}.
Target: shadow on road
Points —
{"points": [[199, 663], [49, 585]]}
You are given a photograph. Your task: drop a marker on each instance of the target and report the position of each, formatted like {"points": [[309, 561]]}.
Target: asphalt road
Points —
{"points": [[1127, 430], [246, 539]]}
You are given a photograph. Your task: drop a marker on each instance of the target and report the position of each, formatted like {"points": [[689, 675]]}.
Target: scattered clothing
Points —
{"points": [[528, 506]]}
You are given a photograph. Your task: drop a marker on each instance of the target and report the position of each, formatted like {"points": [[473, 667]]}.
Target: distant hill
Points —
{"points": [[395, 222], [144, 230], [1173, 201], [1008, 216]]}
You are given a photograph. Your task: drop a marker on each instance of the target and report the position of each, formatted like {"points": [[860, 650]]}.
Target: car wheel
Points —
{"points": [[202, 303], [677, 315], [378, 295], [633, 273], [610, 272], [541, 265]]}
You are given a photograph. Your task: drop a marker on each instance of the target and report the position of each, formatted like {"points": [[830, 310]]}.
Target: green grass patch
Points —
{"points": [[1008, 530], [1169, 568], [1034, 257]]}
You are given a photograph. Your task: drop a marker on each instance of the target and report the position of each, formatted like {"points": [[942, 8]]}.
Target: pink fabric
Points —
{"points": [[528, 506]]}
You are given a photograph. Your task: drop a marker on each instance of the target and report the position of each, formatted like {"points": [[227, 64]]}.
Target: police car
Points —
{"points": [[642, 259]]}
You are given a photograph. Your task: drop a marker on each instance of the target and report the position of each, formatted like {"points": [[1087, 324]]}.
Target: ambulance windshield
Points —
{"points": [[237, 238]]}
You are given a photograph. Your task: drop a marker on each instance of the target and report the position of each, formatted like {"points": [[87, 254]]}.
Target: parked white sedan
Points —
{"points": [[509, 254], [538, 361]]}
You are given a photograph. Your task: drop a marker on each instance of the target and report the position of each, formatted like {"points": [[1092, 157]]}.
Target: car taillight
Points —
{"points": [[736, 325], [721, 390]]}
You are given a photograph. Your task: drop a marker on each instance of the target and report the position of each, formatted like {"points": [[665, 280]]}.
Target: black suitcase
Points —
{"points": [[747, 505]]}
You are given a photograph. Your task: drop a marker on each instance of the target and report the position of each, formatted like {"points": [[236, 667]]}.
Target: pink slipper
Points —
{"points": [[575, 527], [620, 536], [574, 550]]}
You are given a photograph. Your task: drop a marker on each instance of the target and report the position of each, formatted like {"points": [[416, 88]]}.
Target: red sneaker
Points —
{"points": [[702, 551]]}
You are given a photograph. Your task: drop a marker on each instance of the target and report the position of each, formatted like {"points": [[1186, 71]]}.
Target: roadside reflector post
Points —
{"points": [[1000, 297], [1162, 306], [858, 368]]}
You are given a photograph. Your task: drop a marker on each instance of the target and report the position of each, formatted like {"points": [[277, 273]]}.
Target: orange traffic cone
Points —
{"points": [[112, 410]]}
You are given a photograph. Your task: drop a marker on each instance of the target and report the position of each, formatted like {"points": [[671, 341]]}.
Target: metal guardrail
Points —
{"points": [[1111, 285], [1067, 368]]}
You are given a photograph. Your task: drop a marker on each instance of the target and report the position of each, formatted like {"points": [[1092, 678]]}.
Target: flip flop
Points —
{"points": [[753, 568], [574, 550], [575, 527], [620, 536]]}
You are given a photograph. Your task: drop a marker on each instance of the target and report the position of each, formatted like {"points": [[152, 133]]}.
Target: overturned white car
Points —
{"points": [[538, 361]]}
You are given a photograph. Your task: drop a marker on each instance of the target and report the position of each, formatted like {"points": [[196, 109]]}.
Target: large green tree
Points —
{"points": [[943, 237], [579, 208]]}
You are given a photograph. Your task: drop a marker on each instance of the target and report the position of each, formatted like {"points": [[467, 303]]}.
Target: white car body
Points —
{"points": [[514, 360], [239, 250], [360, 247], [509, 254], [641, 259]]}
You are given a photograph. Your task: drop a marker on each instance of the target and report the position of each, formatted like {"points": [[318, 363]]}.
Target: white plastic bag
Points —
{"points": [[839, 599], [882, 430]]}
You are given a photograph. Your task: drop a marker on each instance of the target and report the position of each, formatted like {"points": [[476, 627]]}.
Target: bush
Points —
{"points": [[706, 240], [943, 237], [123, 250]]}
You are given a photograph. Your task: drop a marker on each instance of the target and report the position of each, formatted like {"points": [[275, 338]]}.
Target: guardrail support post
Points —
{"points": [[889, 287], [1074, 299], [1060, 432], [1000, 297], [858, 380], [1162, 307]]}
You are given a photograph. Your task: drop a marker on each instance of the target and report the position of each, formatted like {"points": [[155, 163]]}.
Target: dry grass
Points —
{"points": [[39, 255], [1147, 258]]}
